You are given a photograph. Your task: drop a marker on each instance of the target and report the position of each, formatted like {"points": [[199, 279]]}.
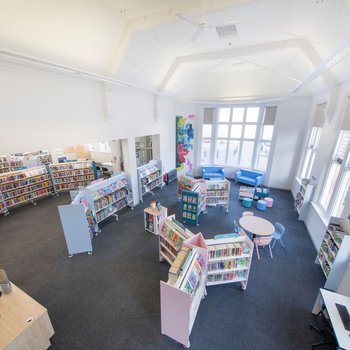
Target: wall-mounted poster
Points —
{"points": [[184, 144]]}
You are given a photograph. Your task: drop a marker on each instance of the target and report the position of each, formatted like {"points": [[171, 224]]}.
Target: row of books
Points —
{"points": [[103, 214], [150, 186], [28, 189], [327, 251], [337, 233], [331, 243], [180, 264], [189, 216], [23, 183], [190, 207], [64, 174], [107, 200], [324, 263], [109, 189], [217, 194], [71, 185], [216, 187], [224, 250], [190, 199], [228, 264], [168, 245], [229, 276], [217, 200], [150, 178], [173, 234], [190, 284], [64, 180], [28, 197], [70, 166], [25, 174], [148, 171]]}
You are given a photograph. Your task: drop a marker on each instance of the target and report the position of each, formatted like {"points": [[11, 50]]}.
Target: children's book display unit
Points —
{"points": [[218, 193], [303, 198], [3, 208], [246, 192], [193, 203], [149, 177], [185, 183], [152, 217], [334, 253], [181, 295], [27, 185], [171, 236], [229, 260], [71, 175], [10, 165]]}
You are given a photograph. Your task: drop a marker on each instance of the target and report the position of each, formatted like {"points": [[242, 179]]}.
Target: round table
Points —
{"points": [[257, 226]]}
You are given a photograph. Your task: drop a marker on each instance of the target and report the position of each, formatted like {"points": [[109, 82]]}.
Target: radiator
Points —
{"points": [[170, 176]]}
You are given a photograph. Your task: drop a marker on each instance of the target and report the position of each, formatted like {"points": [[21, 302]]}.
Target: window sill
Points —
{"points": [[323, 216]]}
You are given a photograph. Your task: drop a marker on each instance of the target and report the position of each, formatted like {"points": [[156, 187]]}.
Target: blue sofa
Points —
{"points": [[213, 172], [249, 177]]}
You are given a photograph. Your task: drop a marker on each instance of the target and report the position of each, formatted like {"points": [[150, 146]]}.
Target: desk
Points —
{"points": [[328, 299], [257, 226], [24, 323]]}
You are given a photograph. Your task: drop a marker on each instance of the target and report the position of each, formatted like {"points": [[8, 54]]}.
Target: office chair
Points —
{"points": [[280, 230], [324, 328]]}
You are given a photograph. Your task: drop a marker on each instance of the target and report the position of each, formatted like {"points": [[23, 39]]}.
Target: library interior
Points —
{"points": [[174, 174]]}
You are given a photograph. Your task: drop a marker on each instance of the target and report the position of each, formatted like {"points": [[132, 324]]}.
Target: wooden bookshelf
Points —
{"points": [[71, 175], [193, 203], [27, 185], [171, 236], [149, 177], [218, 193], [229, 260], [180, 297], [152, 217]]}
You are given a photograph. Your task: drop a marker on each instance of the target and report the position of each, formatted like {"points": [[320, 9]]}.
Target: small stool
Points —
{"points": [[269, 202], [261, 205], [247, 202]]}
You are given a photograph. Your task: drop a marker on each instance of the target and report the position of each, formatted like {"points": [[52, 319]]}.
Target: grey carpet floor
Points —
{"points": [[110, 299]]}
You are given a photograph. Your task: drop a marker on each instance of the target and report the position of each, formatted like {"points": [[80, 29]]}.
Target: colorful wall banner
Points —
{"points": [[184, 144]]}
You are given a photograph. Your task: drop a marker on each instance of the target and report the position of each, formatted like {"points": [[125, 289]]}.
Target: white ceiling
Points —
{"points": [[278, 45]]}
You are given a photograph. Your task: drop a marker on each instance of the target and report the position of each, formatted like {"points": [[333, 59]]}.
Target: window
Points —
{"points": [[338, 177], [207, 135], [311, 149]]}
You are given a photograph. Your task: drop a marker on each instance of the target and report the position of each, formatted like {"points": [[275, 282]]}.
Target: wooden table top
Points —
{"points": [[256, 225]]}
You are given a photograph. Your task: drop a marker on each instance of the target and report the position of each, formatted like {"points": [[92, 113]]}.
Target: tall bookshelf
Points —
{"points": [[107, 197], [334, 253], [149, 177], [172, 234], [71, 175], [193, 203], [303, 198], [218, 193], [27, 185], [229, 260], [180, 297]]}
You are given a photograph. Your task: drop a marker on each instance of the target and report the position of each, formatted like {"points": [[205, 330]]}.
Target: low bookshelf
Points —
{"points": [[181, 295], [229, 260], [218, 193], [172, 234], [149, 177], [152, 217], [3, 208], [185, 183], [193, 203]]}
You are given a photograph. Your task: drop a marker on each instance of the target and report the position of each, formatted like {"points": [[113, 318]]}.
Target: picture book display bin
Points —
{"points": [[180, 298], [246, 192], [218, 193], [25, 186], [229, 260], [71, 175], [303, 198], [172, 234], [193, 203], [149, 177], [152, 217]]}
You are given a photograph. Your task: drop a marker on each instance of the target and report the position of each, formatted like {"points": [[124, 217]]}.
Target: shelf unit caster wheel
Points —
{"points": [[90, 252], [7, 213], [161, 259], [34, 203], [70, 255], [99, 231], [226, 210], [197, 224], [132, 208]]}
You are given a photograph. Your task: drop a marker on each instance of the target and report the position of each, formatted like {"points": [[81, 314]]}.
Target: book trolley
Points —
{"points": [[152, 217], [149, 177], [218, 193], [185, 182], [193, 203], [229, 260], [181, 295], [3, 208], [71, 175], [171, 236]]}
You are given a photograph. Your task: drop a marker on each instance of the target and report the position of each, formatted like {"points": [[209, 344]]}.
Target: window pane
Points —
{"points": [[267, 132], [224, 115], [233, 153], [306, 163], [223, 130], [237, 115], [330, 185], [263, 155], [247, 153], [249, 131], [342, 191], [207, 130], [252, 114], [236, 131], [220, 155], [205, 156]]}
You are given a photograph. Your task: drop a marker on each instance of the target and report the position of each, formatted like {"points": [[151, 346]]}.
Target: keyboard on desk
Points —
{"points": [[344, 315]]}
